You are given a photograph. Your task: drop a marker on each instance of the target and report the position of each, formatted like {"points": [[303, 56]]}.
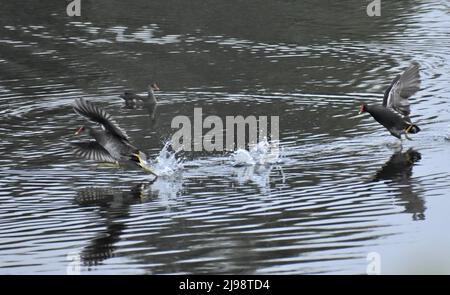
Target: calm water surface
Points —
{"points": [[340, 190]]}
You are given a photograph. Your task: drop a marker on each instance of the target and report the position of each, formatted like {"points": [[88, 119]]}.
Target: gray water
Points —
{"points": [[341, 190]]}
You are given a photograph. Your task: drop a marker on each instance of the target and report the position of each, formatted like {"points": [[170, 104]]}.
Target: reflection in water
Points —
{"points": [[114, 207], [264, 176], [148, 107], [304, 61], [399, 170], [167, 188], [151, 109]]}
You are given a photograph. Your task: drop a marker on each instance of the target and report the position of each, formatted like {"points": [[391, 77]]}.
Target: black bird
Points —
{"points": [[132, 98], [393, 114], [112, 144]]}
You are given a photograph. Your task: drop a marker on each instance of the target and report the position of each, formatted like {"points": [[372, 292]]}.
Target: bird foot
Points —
{"points": [[408, 129], [144, 165], [149, 170]]}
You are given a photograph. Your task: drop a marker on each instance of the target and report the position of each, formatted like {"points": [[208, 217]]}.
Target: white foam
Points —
{"points": [[259, 154], [166, 163]]}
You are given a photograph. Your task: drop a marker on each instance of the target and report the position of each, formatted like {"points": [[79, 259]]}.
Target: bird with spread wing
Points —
{"points": [[394, 113], [111, 144]]}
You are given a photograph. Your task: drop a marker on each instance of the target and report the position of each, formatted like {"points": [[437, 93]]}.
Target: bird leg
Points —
{"points": [[408, 129], [141, 163], [407, 137], [401, 143], [149, 170]]}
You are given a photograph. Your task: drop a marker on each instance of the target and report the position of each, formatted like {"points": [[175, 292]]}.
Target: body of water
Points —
{"points": [[340, 190]]}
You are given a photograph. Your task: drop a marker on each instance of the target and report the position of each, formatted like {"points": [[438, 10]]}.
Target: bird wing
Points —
{"points": [[388, 90], [91, 150], [402, 87], [96, 114]]}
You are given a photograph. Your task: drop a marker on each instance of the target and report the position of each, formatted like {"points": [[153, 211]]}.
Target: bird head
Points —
{"points": [[362, 108], [80, 130], [153, 87]]}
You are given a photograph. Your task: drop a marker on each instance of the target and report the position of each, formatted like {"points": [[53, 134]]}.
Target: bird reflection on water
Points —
{"points": [[398, 171], [114, 207], [151, 110]]}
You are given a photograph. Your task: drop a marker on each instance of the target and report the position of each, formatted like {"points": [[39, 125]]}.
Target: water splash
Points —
{"points": [[167, 189], [257, 165], [396, 145], [166, 163], [262, 153]]}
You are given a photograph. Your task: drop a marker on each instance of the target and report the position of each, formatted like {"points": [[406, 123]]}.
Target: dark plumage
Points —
{"points": [[112, 144], [132, 98], [394, 113]]}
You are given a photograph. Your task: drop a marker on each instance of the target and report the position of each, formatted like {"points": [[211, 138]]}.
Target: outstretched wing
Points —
{"points": [[96, 114], [404, 86], [91, 150], [388, 90]]}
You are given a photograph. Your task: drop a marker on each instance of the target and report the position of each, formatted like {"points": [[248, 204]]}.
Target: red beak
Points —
{"points": [[361, 109], [79, 130]]}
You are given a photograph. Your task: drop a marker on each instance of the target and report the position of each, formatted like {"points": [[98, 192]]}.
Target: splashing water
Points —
{"points": [[166, 163], [243, 158], [256, 165], [260, 154]]}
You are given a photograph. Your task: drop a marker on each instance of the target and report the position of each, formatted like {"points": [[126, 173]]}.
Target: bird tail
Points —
{"points": [[413, 129]]}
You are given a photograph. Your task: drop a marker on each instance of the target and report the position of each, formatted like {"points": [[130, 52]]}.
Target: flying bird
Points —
{"points": [[394, 113], [111, 144]]}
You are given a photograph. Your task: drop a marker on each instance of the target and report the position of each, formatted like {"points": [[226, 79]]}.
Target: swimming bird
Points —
{"points": [[112, 144], [394, 113], [132, 98]]}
